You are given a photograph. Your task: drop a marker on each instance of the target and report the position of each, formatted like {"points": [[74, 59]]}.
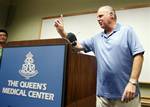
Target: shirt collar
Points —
{"points": [[117, 28]]}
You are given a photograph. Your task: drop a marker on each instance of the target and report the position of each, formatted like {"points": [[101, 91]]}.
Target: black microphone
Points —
{"points": [[72, 38]]}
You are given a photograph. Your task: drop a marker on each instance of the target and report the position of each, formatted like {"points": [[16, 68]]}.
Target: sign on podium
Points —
{"points": [[33, 76]]}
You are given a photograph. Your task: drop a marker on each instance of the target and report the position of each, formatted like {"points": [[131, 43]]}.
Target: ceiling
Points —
{"points": [[114, 3]]}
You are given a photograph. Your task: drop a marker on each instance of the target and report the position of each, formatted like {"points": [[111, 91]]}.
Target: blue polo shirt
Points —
{"points": [[114, 54]]}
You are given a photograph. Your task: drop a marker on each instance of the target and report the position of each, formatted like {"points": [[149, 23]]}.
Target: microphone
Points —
{"points": [[72, 38]]}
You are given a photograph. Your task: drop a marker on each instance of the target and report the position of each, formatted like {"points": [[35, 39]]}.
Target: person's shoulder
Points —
{"points": [[93, 38], [125, 26], [97, 35]]}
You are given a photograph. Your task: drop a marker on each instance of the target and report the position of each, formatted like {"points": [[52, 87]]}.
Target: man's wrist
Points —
{"points": [[133, 81]]}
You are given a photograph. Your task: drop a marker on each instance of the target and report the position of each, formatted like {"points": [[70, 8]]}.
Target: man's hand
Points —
{"points": [[60, 26], [129, 93]]}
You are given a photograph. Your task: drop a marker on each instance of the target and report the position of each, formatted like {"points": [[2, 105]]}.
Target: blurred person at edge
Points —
{"points": [[3, 39]]}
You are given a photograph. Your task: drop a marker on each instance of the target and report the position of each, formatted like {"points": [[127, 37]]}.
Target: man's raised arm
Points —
{"points": [[59, 25]]}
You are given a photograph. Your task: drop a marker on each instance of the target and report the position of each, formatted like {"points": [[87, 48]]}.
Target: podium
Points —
{"points": [[80, 73]]}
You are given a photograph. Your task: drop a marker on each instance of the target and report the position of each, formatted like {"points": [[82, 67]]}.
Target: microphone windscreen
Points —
{"points": [[71, 37]]}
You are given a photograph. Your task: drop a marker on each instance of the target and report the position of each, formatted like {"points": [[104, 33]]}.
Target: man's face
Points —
{"points": [[3, 37], [103, 18]]}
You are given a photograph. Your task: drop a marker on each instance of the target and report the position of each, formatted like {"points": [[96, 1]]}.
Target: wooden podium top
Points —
{"points": [[37, 42]]}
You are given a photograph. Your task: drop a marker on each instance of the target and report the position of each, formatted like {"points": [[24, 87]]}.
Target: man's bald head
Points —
{"points": [[110, 10]]}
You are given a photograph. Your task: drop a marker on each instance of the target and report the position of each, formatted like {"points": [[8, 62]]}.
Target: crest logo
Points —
{"points": [[28, 68]]}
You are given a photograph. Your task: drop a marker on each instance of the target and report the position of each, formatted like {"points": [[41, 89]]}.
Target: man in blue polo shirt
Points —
{"points": [[119, 60]]}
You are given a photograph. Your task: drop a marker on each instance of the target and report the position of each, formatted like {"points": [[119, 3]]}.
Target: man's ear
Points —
{"points": [[112, 15]]}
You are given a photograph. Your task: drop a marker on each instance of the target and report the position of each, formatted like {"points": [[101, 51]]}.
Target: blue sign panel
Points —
{"points": [[32, 76]]}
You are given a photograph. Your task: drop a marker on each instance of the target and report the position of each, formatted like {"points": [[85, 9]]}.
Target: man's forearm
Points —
{"points": [[136, 68], [63, 34]]}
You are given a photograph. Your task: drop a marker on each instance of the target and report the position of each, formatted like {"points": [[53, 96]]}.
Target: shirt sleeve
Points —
{"points": [[134, 43], [88, 44]]}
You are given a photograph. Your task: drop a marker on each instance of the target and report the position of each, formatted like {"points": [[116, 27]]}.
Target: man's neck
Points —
{"points": [[1, 45], [111, 27]]}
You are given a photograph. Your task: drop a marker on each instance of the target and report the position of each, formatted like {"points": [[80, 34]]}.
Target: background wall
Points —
{"points": [[22, 18], [4, 6]]}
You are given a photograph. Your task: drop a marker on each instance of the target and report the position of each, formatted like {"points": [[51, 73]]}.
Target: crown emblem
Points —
{"points": [[28, 68]]}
